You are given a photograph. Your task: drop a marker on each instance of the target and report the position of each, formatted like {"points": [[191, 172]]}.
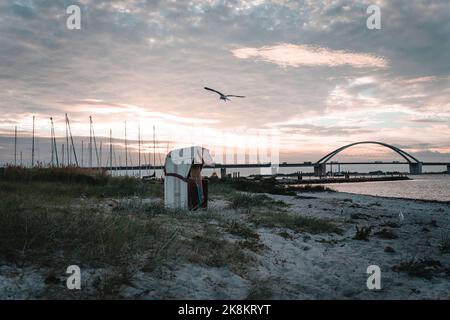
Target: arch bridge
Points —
{"points": [[415, 166]]}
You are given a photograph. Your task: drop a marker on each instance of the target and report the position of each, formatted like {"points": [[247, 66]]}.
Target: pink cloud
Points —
{"points": [[290, 55]]}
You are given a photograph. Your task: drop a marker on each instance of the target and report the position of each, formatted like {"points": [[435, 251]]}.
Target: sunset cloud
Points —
{"points": [[290, 55]]}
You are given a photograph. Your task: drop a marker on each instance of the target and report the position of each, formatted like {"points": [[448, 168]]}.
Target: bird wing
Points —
{"points": [[220, 93], [231, 95]]}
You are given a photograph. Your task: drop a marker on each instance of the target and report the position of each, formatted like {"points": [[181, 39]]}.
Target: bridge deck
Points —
{"points": [[281, 165]]}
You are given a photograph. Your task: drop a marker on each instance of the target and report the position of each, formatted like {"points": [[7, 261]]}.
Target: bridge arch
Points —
{"points": [[409, 158]]}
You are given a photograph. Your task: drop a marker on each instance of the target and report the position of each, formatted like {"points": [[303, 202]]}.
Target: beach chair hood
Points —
{"points": [[179, 161]]}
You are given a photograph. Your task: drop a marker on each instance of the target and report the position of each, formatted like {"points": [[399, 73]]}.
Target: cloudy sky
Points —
{"points": [[313, 74]]}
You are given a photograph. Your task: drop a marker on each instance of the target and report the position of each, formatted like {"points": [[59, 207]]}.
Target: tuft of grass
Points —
{"points": [[363, 233], [444, 243], [285, 235], [241, 230], [108, 285], [247, 201], [425, 268], [138, 206], [297, 223]]}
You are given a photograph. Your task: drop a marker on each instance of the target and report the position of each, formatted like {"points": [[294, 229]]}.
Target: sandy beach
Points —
{"points": [[266, 254]]}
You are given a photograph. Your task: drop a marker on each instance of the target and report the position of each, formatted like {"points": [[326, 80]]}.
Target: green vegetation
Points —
{"points": [[70, 174], [74, 182], [115, 225], [31, 231], [54, 217]]}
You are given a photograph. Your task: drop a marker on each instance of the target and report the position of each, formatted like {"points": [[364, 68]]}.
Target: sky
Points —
{"points": [[314, 76]]}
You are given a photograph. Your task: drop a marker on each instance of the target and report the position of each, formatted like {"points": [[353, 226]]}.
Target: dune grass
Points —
{"points": [[30, 231], [56, 217], [73, 182], [119, 225], [46, 215]]}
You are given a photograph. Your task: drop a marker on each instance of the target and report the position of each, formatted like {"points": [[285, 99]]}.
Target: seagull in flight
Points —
{"points": [[224, 97]]}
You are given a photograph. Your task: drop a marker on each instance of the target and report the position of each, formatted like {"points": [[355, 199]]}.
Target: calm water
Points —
{"points": [[427, 187]]}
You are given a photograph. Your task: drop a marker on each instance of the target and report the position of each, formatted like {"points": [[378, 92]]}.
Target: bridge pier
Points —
{"points": [[223, 172], [320, 169], [448, 168], [415, 168]]}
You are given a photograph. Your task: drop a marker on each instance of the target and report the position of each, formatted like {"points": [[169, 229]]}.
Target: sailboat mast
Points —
{"points": [[32, 147], [110, 150], [67, 142], [95, 143], [154, 152], [71, 140], [15, 146], [100, 153], [126, 150], [139, 148], [90, 142], [54, 146], [52, 161], [62, 151]]}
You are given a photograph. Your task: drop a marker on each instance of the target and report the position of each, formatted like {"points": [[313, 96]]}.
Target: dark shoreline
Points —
{"points": [[344, 180], [398, 198]]}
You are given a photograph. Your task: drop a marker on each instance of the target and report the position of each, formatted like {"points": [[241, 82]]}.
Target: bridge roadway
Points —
{"points": [[320, 168]]}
